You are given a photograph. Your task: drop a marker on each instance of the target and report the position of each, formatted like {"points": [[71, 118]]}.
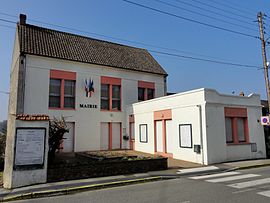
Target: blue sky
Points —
{"points": [[119, 19]]}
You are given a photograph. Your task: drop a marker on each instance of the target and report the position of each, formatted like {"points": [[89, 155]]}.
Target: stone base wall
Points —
{"points": [[80, 170]]}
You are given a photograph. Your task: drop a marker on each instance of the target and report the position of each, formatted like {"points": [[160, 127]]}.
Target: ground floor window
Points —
{"points": [[236, 125]]}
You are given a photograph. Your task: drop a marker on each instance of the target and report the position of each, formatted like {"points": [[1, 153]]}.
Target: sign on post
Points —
{"points": [[265, 120]]}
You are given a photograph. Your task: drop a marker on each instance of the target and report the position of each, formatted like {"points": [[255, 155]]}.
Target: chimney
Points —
{"points": [[242, 94], [22, 19]]}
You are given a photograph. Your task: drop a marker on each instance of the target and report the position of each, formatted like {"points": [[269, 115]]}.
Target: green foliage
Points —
{"points": [[57, 129]]}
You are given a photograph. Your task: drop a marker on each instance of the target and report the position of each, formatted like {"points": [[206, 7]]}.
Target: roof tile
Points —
{"points": [[52, 43]]}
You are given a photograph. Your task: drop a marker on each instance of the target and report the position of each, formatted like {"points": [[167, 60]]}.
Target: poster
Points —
{"points": [[185, 135], [143, 133], [29, 146]]}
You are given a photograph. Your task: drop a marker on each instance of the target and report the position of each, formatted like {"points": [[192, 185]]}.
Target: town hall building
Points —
{"points": [[114, 96]]}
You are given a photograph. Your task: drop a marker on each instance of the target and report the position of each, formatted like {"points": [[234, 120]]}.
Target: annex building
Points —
{"points": [[101, 89]]}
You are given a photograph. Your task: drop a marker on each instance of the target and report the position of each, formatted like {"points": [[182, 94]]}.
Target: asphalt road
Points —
{"points": [[242, 186]]}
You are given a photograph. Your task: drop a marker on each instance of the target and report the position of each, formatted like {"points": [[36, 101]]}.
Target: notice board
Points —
{"points": [[29, 148], [185, 135]]}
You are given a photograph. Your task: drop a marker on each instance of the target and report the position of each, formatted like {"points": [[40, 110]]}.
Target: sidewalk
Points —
{"points": [[68, 187], [238, 165]]}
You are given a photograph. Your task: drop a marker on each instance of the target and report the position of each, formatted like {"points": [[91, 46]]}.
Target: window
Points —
{"points": [[146, 90], [141, 94], [229, 135], [241, 130], [110, 94], [69, 96], [55, 93], [236, 125], [105, 97], [62, 89], [116, 98], [143, 133], [150, 94]]}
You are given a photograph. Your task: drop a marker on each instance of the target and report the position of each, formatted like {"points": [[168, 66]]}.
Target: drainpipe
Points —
{"points": [[165, 85], [201, 132]]}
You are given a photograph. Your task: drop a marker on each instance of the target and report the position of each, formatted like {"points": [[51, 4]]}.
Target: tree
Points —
{"points": [[57, 129]]}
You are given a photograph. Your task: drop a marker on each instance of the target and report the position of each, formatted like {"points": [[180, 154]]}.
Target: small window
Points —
{"points": [[55, 93], [143, 133], [105, 97], [116, 97], [229, 133], [69, 92]]}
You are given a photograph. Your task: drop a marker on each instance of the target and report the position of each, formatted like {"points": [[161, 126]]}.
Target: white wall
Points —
{"points": [[204, 109], [185, 110], [217, 150], [87, 121]]}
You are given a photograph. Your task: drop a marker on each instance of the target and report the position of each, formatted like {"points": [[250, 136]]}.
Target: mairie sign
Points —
{"points": [[265, 120]]}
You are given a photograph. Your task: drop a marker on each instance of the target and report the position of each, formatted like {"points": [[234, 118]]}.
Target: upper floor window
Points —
{"points": [[62, 89], [55, 93], [146, 90], [236, 125], [69, 95], [110, 93]]}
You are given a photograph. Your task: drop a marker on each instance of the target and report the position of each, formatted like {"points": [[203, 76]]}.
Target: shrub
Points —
{"points": [[57, 129]]}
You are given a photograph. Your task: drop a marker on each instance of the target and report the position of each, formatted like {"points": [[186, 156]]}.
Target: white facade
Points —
{"points": [[86, 121], [200, 126], [202, 112]]}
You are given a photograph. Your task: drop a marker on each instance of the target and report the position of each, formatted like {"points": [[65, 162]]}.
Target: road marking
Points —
{"points": [[231, 178], [250, 183], [241, 191], [200, 169], [214, 175], [265, 193]]}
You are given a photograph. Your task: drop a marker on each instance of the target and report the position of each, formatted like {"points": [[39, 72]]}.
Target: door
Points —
{"points": [[159, 136], [116, 135], [132, 135], [169, 136], [68, 142], [104, 136]]}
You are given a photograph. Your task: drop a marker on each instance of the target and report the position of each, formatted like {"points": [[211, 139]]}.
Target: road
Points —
{"points": [[251, 185]]}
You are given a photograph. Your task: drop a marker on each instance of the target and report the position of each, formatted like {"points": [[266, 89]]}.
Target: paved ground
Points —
{"points": [[252, 185], [218, 171]]}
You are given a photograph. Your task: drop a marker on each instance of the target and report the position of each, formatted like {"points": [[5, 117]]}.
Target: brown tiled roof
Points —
{"points": [[35, 117], [52, 43]]}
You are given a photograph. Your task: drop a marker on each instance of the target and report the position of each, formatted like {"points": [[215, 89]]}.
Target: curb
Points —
{"points": [[251, 166], [71, 190]]}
